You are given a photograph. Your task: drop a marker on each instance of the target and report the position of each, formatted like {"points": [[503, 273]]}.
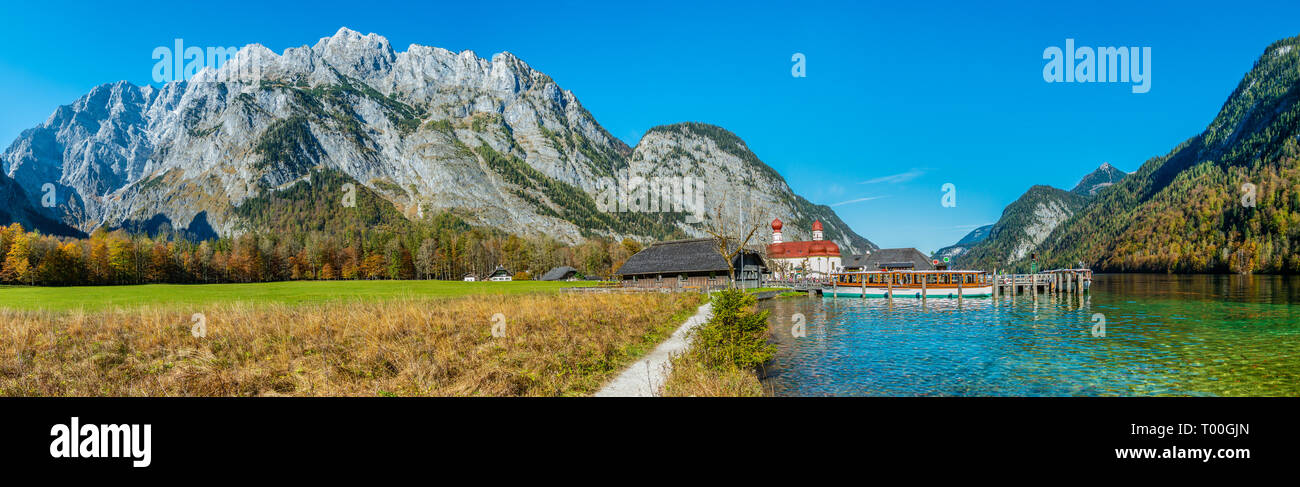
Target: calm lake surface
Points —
{"points": [[1164, 335]]}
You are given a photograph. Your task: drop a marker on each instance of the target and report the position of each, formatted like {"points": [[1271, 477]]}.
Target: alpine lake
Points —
{"points": [[1129, 335]]}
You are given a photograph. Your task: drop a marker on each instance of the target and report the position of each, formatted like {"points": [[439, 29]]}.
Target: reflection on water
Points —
{"points": [[1164, 335]]}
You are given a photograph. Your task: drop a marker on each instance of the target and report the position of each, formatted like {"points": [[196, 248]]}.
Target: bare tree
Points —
{"points": [[724, 235]]}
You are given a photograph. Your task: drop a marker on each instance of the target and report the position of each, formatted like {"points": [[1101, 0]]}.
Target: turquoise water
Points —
{"points": [[1164, 335]]}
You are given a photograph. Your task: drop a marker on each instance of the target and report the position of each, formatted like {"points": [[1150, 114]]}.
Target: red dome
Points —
{"points": [[817, 226], [799, 250], [776, 225]]}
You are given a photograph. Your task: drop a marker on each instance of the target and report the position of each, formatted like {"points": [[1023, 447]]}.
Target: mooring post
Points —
{"points": [[1080, 290], [961, 278], [924, 280], [889, 287]]}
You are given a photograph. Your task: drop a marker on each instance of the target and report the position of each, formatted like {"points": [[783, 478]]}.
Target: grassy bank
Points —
{"points": [[726, 352], [554, 344], [95, 298]]}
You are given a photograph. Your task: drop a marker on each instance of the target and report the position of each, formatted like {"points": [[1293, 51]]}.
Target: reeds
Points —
{"points": [[690, 378], [553, 345]]}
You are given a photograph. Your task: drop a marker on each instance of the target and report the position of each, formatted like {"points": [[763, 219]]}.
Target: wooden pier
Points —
{"points": [[808, 285], [1056, 281]]}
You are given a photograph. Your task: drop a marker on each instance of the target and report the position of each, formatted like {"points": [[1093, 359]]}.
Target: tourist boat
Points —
{"points": [[910, 284]]}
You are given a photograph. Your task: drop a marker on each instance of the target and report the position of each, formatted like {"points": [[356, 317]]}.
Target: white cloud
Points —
{"points": [[896, 178], [859, 200]]}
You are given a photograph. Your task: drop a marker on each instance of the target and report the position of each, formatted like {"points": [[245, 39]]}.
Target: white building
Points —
{"points": [[793, 260], [500, 274]]}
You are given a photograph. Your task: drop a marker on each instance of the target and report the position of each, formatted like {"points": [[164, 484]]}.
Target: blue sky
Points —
{"points": [[898, 99]]}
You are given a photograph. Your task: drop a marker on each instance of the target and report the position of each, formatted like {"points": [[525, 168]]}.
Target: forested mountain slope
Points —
{"points": [[1193, 209]]}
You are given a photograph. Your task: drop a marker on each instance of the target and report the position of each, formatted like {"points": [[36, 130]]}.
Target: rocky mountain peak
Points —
{"points": [[1103, 176], [732, 176], [356, 55], [425, 129]]}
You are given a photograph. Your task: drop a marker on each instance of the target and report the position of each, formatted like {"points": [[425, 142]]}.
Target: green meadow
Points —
{"points": [[94, 298]]}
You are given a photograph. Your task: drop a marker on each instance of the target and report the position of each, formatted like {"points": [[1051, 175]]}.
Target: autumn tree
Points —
{"points": [[426, 258], [372, 267], [17, 267]]}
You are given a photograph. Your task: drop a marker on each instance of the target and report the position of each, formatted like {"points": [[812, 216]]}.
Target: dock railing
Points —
{"points": [[1023, 279], [800, 284], [1054, 281]]}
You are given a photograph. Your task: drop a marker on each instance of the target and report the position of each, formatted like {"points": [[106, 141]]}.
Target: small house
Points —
{"points": [[500, 274], [886, 259], [469, 277]]}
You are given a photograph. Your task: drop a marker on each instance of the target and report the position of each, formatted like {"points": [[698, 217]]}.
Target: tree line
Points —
{"points": [[426, 251]]}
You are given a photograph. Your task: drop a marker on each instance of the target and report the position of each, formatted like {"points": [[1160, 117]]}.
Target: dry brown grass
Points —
{"points": [[554, 345], [725, 351], [690, 378]]}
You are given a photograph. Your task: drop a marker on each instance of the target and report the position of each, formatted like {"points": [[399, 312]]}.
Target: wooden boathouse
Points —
{"points": [[692, 264]]}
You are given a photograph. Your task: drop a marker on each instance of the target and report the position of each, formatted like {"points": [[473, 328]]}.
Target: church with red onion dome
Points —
{"points": [[813, 258]]}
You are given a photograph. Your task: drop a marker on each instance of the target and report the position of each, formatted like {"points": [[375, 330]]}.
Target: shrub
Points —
{"points": [[736, 336]]}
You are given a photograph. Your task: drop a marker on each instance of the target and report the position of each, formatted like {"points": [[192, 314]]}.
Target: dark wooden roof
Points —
{"points": [[893, 257], [559, 273], [677, 256], [499, 271]]}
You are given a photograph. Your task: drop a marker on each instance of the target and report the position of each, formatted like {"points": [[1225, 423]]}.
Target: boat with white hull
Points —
{"points": [[910, 284]]}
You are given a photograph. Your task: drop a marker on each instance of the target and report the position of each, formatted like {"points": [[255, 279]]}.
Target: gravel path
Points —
{"points": [[645, 377]]}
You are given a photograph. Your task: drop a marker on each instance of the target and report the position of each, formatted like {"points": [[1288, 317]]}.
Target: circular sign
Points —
{"points": [[935, 262], [945, 259]]}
